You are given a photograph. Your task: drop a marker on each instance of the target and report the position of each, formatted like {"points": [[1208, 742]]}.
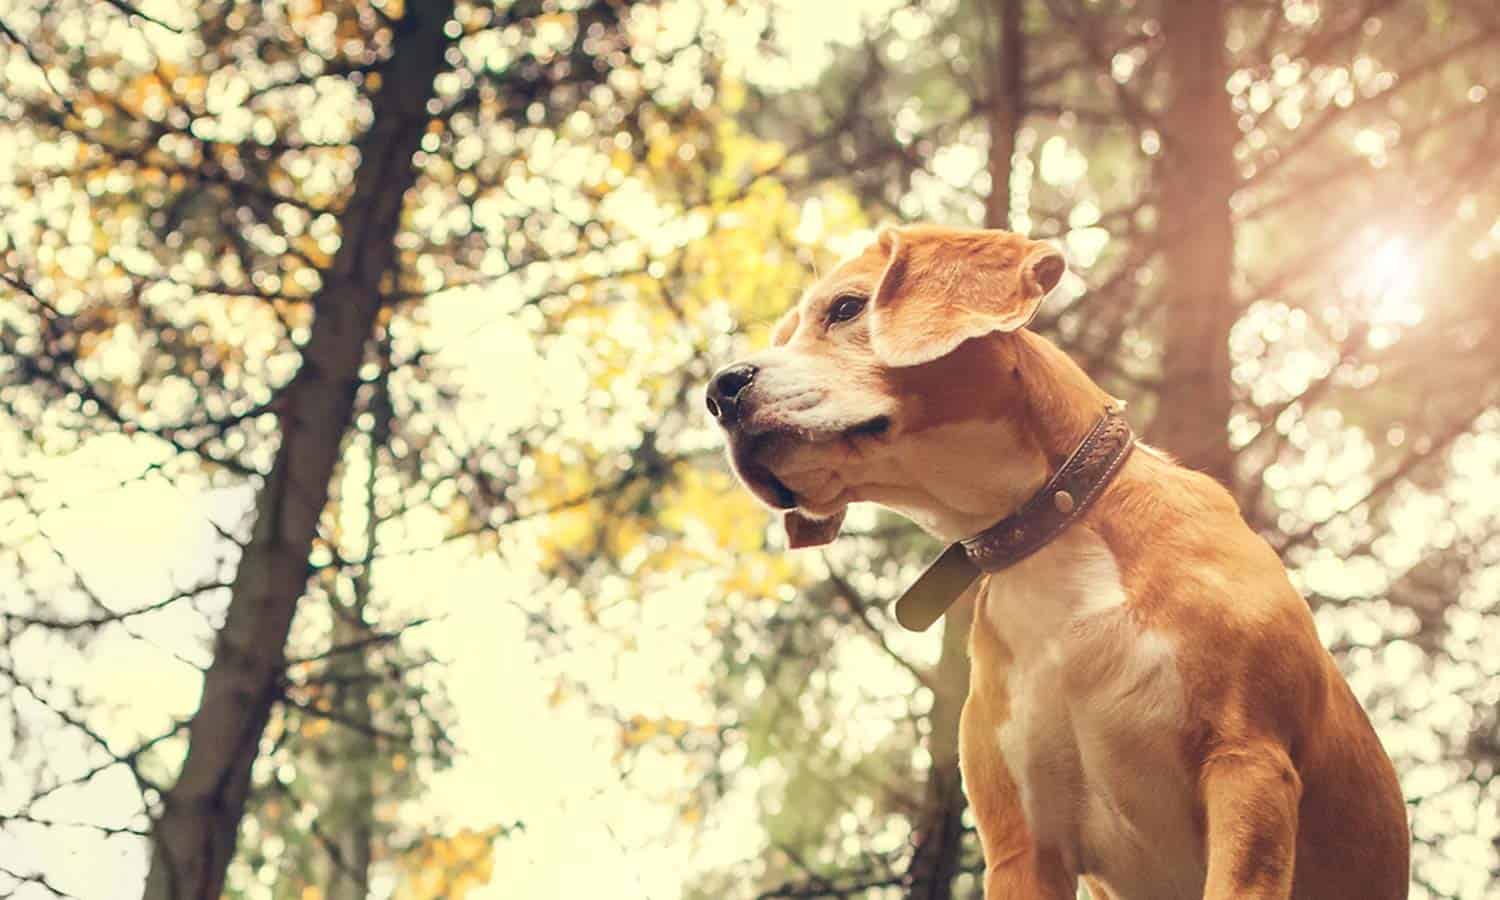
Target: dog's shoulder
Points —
{"points": [[1191, 565]]}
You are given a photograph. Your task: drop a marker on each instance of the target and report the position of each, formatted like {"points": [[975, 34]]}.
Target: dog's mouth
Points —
{"points": [[748, 452], [874, 427], [764, 483]]}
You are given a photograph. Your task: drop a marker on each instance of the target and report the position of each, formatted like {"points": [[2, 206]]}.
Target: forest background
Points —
{"points": [[362, 533]]}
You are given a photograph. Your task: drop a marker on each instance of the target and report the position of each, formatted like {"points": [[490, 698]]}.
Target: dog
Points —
{"points": [[1150, 708]]}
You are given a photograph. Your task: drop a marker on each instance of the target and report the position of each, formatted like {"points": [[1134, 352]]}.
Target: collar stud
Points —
{"points": [[1063, 501]]}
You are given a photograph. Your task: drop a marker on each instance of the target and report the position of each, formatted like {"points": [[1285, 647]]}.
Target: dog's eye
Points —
{"points": [[845, 308]]}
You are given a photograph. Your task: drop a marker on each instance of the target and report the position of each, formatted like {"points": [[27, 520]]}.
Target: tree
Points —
{"points": [[194, 837], [1196, 173], [275, 267]]}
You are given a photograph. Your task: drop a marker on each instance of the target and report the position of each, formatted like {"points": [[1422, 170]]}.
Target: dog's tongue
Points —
{"points": [[805, 531]]}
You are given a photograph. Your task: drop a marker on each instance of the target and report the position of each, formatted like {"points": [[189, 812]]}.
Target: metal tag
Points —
{"points": [[941, 583]]}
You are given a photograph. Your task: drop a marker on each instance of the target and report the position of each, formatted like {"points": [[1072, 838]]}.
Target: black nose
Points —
{"points": [[725, 388]]}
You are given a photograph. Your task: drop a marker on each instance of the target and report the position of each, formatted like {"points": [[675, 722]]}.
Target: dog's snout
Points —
{"points": [[725, 388], [729, 382]]}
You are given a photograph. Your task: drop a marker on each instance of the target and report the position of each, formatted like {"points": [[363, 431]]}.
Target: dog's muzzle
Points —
{"points": [[726, 400]]}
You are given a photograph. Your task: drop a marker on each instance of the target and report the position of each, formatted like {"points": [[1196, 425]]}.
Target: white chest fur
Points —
{"points": [[1093, 739]]}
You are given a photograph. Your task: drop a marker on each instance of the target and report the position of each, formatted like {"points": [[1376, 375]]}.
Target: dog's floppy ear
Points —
{"points": [[942, 286], [804, 531], [785, 327]]}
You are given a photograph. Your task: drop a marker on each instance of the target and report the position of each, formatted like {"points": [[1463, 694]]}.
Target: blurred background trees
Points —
{"points": [[362, 532]]}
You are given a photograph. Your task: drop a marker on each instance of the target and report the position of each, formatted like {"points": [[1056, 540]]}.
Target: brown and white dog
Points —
{"points": [[1150, 707]]}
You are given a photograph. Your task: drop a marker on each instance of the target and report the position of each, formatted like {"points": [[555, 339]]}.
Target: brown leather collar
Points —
{"points": [[1065, 497]]}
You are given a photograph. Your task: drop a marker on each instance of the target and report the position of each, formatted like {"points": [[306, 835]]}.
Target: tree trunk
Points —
{"points": [[940, 832], [1006, 106], [1196, 172], [194, 837]]}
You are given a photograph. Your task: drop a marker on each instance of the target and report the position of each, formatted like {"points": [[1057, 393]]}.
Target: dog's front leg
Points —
{"points": [[1250, 797], [1030, 874], [1016, 868]]}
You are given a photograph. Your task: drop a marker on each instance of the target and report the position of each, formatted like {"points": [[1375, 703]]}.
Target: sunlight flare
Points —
{"points": [[1387, 284]]}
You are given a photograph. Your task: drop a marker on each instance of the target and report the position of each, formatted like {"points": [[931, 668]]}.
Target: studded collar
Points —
{"points": [[1065, 497]]}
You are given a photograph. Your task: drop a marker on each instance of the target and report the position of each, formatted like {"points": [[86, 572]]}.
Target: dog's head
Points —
{"points": [[888, 378]]}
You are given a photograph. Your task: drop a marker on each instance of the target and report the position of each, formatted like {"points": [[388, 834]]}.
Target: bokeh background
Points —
{"points": [[362, 533]]}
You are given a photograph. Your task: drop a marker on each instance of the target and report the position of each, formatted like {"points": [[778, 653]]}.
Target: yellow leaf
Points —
{"points": [[447, 868]]}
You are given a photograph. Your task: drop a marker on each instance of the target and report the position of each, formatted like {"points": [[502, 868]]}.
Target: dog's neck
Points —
{"points": [[958, 478], [1062, 401], [955, 480]]}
